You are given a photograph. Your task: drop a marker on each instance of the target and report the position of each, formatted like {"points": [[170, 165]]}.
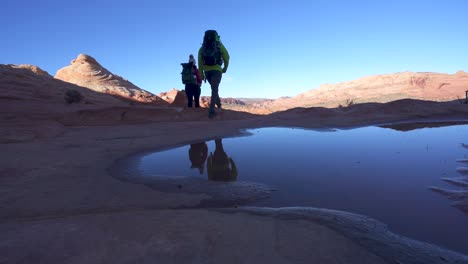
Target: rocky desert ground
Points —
{"points": [[60, 204]]}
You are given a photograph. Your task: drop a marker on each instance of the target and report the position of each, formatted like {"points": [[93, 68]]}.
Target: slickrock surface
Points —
{"points": [[87, 72], [61, 204]]}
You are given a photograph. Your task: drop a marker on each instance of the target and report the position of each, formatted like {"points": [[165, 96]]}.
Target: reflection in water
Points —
{"points": [[220, 166], [382, 173], [413, 126], [197, 155]]}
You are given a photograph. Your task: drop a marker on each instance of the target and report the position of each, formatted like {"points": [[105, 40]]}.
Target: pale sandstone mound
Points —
{"points": [[29, 82], [33, 68], [31, 101], [174, 97], [87, 72], [380, 88]]}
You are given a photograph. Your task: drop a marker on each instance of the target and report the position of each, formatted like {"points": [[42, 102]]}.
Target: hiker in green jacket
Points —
{"points": [[221, 167], [213, 61]]}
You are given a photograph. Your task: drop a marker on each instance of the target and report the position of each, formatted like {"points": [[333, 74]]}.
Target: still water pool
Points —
{"points": [[380, 172]]}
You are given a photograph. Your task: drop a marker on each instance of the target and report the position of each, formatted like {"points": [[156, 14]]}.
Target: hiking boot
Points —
{"points": [[211, 114]]}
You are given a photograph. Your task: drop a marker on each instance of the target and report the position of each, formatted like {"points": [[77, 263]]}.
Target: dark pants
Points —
{"points": [[214, 78], [198, 153], [193, 91]]}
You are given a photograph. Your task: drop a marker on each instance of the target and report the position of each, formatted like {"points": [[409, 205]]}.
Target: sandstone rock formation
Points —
{"points": [[174, 97], [29, 82], [87, 72], [372, 89], [381, 89], [60, 204]]}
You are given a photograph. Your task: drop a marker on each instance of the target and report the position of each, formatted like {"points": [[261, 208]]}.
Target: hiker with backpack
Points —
{"points": [[220, 166], [198, 153], [213, 61], [192, 80]]}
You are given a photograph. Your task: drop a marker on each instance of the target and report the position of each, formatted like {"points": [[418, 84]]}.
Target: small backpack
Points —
{"points": [[188, 74], [211, 53]]}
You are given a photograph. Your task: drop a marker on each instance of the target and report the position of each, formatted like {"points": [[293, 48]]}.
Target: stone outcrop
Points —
{"points": [[29, 82], [381, 89], [372, 89], [87, 72], [174, 97]]}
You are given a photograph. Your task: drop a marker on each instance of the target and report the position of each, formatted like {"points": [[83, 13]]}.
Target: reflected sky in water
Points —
{"points": [[380, 172]]}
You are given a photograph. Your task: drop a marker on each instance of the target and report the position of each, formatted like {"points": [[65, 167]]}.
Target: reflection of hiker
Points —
{"points": [[197, 155], [220, 166], [211, 56], [192, 80]]}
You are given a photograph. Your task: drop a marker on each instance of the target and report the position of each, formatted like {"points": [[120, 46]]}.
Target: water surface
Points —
{"points": [[383, 173]]}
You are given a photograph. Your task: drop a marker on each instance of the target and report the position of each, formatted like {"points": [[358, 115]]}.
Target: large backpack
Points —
{"points": [[188, 74], [211, 53]]}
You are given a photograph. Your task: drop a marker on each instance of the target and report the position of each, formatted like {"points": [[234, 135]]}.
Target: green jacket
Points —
{"points": [[204, 68], [219, 169]]}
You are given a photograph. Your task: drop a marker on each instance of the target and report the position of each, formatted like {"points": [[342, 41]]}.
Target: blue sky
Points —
{"points": [[277, 48]]}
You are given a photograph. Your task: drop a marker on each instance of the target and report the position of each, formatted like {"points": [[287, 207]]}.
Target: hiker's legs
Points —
{"points": [[218, 104], [219, 154], [189, 93], [219, 145], [214, 78], [197, 93]]}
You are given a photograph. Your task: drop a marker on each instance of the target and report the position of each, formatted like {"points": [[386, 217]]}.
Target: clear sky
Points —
{"points": [[277, 47]]}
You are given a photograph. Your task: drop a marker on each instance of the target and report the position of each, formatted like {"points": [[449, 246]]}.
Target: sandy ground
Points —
{"points": [[59, 203]]}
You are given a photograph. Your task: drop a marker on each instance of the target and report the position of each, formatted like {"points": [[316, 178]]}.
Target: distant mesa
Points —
{"points": [[87, 72], [178, 98], [380, 89], [230, 101]]}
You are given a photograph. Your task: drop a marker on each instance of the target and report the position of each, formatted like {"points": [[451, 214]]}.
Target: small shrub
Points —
{"points": [[72, 96]]}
